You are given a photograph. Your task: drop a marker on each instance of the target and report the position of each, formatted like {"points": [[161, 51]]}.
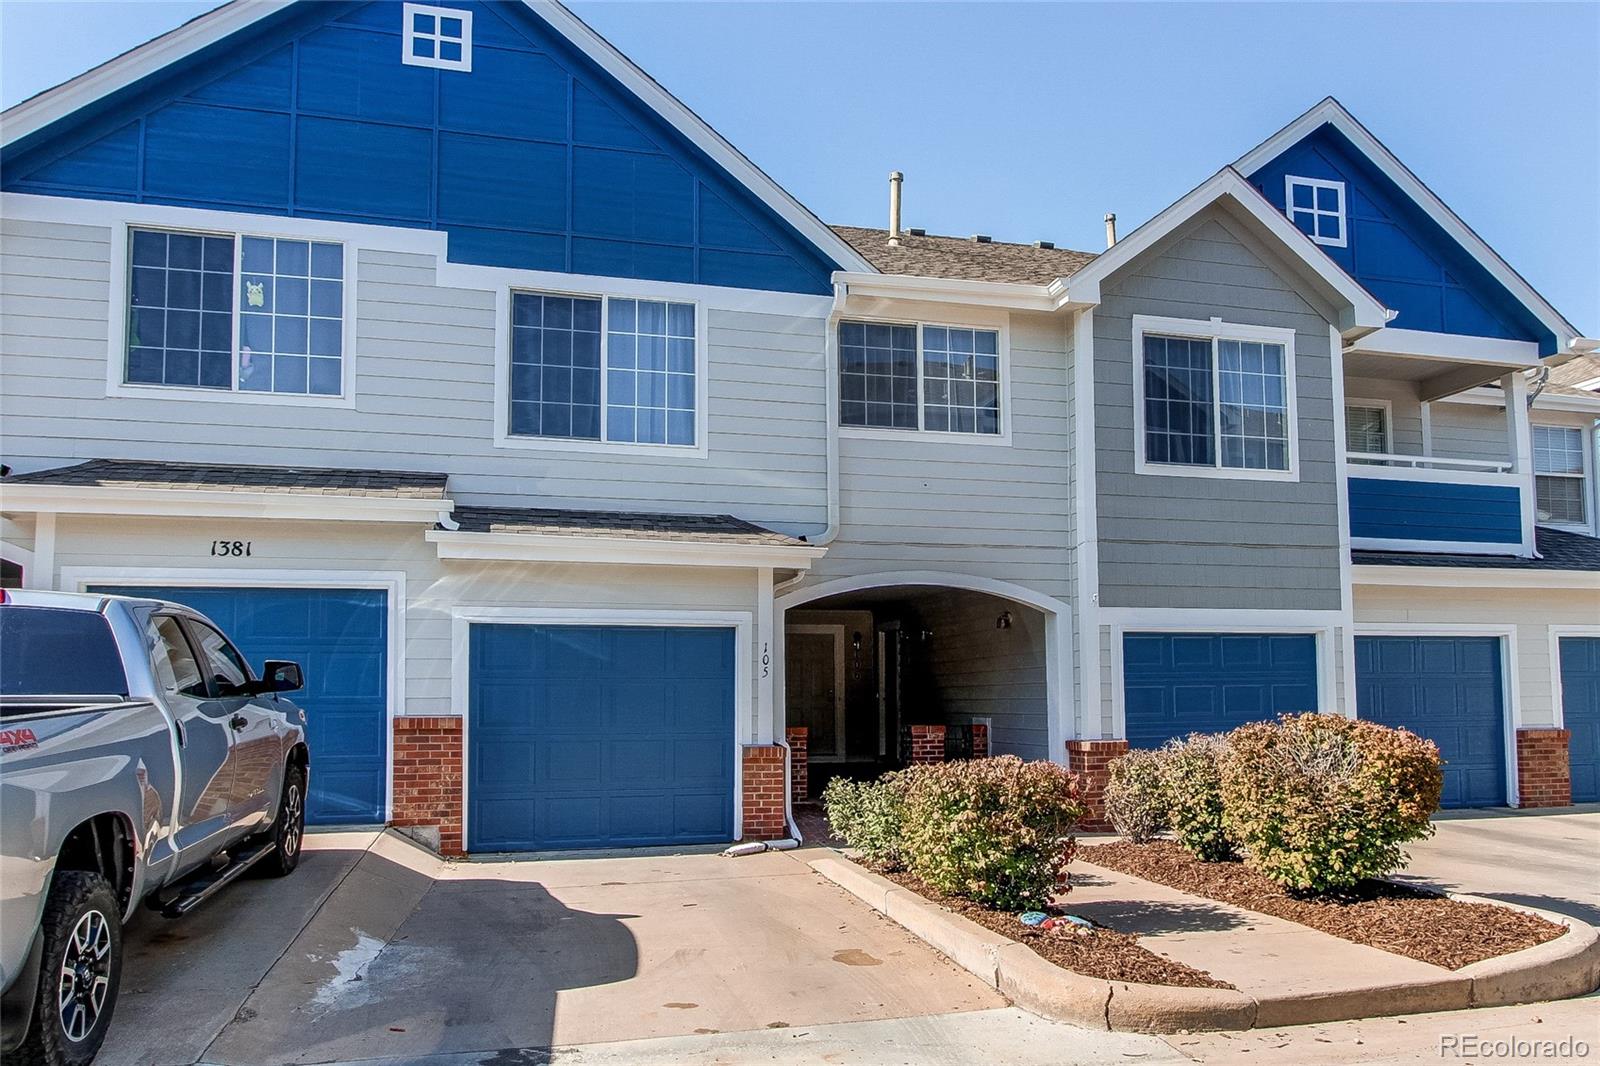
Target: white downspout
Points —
{"points": [[831, 446]]}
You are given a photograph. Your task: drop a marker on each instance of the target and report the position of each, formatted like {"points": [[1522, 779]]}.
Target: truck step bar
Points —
{"points": [[205, 884]]}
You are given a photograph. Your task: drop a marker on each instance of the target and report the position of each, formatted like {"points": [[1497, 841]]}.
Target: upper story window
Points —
{"points": [[1366, 428], [437, 37], [937, 378], [1559, 475], [194, 299], [1317, 207], [1214, 399], [648, 392]]}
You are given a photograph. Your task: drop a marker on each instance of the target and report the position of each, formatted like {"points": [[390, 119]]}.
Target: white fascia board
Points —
{"points": [[39, 111], [1474, 577], [1366, 313], [1435, 547], [848, 286], [1331, 112], [618, 551], [211, 503], [1545, 401], [1425, 344]]}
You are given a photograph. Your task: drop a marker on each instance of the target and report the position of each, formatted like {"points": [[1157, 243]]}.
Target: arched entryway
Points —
{"points": [[862, 660]]}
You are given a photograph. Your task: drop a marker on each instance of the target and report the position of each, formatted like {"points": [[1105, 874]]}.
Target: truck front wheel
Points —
{"points": [[82, 962], [289, 829]]}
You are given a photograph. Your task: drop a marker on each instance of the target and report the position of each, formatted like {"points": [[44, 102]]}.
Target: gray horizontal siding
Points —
{"points": [[424, 386], [979, 671], [1213, 542]]}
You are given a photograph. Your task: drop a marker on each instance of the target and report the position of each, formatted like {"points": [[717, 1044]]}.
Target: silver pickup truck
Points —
{"points": [[141, 760]]}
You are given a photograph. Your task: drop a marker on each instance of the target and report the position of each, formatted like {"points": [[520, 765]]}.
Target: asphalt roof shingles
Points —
{"points": [[230, 477], [1558, 550], [717, 529], [963, 258]]}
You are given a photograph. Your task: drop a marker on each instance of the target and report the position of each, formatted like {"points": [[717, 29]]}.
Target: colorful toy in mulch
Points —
{"points": [[1069, 923], [1033, 918]]}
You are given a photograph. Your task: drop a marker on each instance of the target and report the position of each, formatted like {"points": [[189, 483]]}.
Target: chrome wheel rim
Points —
{"points": [[85, 976], [293, 820]]}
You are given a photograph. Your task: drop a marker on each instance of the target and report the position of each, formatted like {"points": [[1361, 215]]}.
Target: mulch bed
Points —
{"points": [[1406, 921], [1107, 954]]}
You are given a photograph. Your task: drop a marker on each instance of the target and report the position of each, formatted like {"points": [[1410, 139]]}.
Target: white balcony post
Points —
{"points": [[1519, 440]]}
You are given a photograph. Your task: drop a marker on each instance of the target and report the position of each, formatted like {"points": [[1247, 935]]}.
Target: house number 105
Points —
{"points": [[240, 548]]}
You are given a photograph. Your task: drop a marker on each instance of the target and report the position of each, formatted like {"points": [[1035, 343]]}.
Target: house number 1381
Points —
{"points": [[240, 548]]}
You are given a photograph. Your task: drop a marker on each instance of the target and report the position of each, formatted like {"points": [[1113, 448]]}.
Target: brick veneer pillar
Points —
{"points": [[1544, 768], [797, 737], [427, 777], [927, 743], [1091, 761], [762, 792], [980, 740]]}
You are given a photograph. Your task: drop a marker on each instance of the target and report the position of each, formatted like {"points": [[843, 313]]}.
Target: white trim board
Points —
{"points": [[621, 551], [1473, 577], [1510, 693], [464, 616], [1330, 112], [391, 582], [38, 112], [213, 503]]}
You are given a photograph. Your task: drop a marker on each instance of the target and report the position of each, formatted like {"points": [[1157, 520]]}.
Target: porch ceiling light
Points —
{"points": [[1004, 621]]}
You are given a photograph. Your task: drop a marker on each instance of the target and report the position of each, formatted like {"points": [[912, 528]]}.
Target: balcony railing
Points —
{"points": [[1430, 504]]}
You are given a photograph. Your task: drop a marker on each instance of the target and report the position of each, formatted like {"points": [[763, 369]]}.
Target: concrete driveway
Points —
{"points": [[374, 949], [1538, 858]]}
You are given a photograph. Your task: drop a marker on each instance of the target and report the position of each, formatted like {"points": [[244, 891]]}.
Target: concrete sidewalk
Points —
{"points": [[1264, 957]]}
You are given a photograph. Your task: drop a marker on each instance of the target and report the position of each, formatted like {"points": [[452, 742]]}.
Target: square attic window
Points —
{"points": [[437, 37], [1317, 207]]}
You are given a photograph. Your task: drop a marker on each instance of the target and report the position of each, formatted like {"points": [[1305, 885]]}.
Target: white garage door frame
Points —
{"points": [[391, 582], [1511, 704], [741, 622]]}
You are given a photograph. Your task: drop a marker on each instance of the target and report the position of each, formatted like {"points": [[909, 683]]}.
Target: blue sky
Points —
{"points": [[1029, 121]]}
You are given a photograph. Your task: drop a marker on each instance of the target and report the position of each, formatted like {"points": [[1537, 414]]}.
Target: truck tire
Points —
{"points": [[82, 968], [288, 830]]}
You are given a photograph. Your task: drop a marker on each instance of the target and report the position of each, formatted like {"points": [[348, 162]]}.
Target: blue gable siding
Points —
{"points": [[536, 158], [1435, 510], [1397, 252]]}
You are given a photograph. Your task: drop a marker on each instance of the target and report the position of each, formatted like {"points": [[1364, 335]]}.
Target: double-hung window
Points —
{"points": [[1559, 480], [936, 378], [604, 369], [1317, 207], [1214, 397], [235, 312], [1366, 428]]}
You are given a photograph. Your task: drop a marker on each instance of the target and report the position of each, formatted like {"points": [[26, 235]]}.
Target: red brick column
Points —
{"points": [[427, 777], [763, 792], [799, 778], [927, 743], [1544, 768], [980, 740], [1091, 761]]}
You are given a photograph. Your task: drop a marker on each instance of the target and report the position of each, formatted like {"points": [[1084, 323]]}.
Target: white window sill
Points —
{"points": [[1225, 473], [600, 447], [1002, 439], [182, 392]]}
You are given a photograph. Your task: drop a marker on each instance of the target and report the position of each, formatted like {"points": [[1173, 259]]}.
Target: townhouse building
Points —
{"points": [[610, 497]]}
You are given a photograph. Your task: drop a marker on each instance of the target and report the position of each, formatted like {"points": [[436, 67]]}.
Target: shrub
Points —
{"points": [[996, 831], [867, 815], [1193, 780], [1136, 796], [1320, 801]]}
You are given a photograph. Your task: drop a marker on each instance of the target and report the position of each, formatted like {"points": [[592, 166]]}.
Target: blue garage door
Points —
{"points": [[1175, 684], [1580, 711], [591, 736], [340, 638], [1447, 689]]}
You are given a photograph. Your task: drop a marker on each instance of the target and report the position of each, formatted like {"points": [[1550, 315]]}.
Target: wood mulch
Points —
{"points": [[1381, 914], [1106, 954]]}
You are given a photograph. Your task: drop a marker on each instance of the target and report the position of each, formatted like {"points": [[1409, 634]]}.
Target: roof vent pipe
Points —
{"points": [[896, 180], [1111, 230]]}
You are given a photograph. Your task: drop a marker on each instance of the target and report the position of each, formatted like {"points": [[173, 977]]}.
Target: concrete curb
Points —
{"points": [[1565, 967]]}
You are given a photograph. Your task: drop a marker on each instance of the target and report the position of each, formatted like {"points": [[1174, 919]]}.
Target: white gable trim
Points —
{"points": [[221, 503], [1331, 112], [1366, 313], [39, 111]]}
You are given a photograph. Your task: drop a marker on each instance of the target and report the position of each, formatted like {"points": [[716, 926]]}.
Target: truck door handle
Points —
{"points": [[238, 722]]}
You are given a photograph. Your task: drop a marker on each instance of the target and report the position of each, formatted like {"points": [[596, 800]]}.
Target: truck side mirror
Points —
{"points": [[280, 675]]}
